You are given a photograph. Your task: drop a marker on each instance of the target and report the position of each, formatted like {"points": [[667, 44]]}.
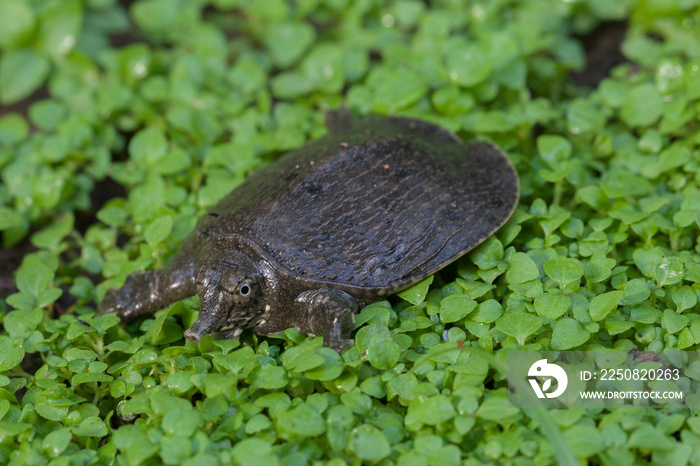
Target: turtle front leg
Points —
{"points": [[147, 292], [331, 313]]}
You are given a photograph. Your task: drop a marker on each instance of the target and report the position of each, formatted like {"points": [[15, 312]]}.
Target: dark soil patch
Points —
{"points": [[103, 191], [10, 259], [603, 48]]}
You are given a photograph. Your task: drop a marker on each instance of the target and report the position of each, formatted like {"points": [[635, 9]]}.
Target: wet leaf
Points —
{"points": [[22, 72]]}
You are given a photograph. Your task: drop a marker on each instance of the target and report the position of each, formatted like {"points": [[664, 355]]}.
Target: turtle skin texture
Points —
{"points": [[372, 208]]}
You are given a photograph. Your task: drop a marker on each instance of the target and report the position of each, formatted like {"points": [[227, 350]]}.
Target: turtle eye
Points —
{"points": [[241, 288], [244, 288]]}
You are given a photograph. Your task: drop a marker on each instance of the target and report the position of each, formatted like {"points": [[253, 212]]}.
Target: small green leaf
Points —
{"points": [[598, 268], [369, 443], [11, 353], [9, 218], [522, 269], [551, 306], [216, 384], [468, 64], [300, 359], [673, 322], [51, 236], [13, 129], [33, 278], [383, 353], [59, 26], [642, 106], [302, 421], [450, 101], [635, 291], [323, 67], [270, 377], [553, 149], [56, 442], [113, 214], [668, 271], [592, 195], [20, 324], [175, 161], [564, 271], [615, 326], [158, 230], [86, 377], [252, 451], [131, 441], [238, 360], [155, 15], [357, 402], [178, 382], [584, 440], [603, 304], [645, 314], [148, 146], [496, 408], [584, 116], [47, 114], [568, 333], [331, 368], [104, 322], [647, 437], [175, 449], [488, 254], [432, 410], [22, 301], [17, 20], [395, 89], [92, 427], [487, 311], [456, 307], [519, 325], [22, 71], [181, 422], [684, 298], [290, 84], [647, 259], [257, 423], [288, 41], [416, 294], [52, 412]]}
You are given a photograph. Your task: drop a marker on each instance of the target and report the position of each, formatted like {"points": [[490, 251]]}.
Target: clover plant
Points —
{"points": [[122, 122]]}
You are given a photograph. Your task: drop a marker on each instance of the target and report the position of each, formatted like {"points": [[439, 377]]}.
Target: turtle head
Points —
{"points": [[230, 294]]}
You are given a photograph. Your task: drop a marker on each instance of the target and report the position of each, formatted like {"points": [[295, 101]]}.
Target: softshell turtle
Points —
{"points": [[372, 208]]}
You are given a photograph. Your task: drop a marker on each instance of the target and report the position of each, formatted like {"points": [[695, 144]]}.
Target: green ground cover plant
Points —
{"points": [[168, 105]]}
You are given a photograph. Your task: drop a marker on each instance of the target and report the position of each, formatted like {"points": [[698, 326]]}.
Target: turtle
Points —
{"points": [[372, 208]]}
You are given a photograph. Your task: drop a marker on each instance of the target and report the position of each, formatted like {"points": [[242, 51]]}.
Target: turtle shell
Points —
{"points": [[376, 205]]}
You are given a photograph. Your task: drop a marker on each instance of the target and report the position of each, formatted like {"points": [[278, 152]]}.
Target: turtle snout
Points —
{"points": [[193, 336], [201, 327]]}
